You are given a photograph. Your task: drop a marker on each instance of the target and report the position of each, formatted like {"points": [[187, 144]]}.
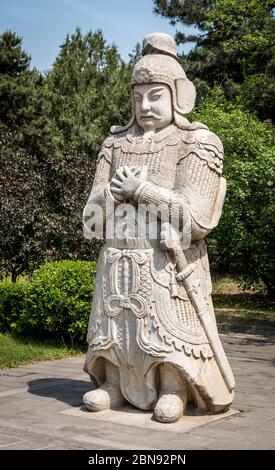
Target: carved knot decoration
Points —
{"points": [[124, 289]]}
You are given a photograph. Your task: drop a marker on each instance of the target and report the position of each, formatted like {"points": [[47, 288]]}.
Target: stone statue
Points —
{"points": [[153, 340]]}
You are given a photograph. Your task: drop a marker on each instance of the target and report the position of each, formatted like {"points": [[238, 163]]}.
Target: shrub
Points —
{"points": [[59, 300], [245, 230], [12, 303]]}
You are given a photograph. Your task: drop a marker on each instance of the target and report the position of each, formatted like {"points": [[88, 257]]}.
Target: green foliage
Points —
{"points": [[12, 302], [13, 59], [22, 215], [42, 203], [88, 87], [23, 103], [234, 44], [67, 179], [245, 230], [59, 300], [258, 95]]}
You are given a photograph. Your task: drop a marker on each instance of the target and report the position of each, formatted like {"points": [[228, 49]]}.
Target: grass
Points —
{"points": [[233, 304], [15, 351]]}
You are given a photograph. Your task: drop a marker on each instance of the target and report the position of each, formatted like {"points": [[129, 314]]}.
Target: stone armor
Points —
{"points": [[141, 315]]}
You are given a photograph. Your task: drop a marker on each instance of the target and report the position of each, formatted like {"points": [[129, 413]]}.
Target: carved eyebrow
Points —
{"points": [[155, 90]]}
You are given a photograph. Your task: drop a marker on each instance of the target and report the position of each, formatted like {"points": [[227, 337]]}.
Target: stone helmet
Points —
{"points": [[160, 64]]}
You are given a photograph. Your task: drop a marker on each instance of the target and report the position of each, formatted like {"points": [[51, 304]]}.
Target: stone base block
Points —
{"points": [[130, 416]]}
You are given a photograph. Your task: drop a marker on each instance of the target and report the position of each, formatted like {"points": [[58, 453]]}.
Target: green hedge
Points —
{"points": [[56, 303], [12, 303]]}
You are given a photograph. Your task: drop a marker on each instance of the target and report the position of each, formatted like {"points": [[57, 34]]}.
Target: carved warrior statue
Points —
{"points": [[153, 340]]}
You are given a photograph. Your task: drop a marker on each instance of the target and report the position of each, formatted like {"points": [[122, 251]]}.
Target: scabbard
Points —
{"points": [[186, 274]]}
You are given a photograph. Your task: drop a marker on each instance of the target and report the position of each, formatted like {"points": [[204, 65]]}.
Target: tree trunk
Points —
{"points": [[269, 286], [13, 276]]}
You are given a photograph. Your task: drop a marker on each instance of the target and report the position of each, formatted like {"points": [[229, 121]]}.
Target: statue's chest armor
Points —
{"points": [[160, 159]]}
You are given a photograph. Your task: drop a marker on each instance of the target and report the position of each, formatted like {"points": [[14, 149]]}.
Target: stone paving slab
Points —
{"points": [[35, 401]]}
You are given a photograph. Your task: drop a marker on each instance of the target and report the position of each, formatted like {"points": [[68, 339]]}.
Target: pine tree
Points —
{"points": [[234, 47], [89, 90], [23, 103]]}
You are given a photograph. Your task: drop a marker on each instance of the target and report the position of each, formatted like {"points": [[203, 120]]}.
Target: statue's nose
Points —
{"points": [[145, 105]]}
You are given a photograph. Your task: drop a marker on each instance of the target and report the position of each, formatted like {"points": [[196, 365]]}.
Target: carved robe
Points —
{"points": [[141, 315]]}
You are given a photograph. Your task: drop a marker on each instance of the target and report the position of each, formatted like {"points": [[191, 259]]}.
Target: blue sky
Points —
{"points": [[43, 24]]}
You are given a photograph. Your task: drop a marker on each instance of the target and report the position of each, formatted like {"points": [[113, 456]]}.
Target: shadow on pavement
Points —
{"points": [[69, 391]]}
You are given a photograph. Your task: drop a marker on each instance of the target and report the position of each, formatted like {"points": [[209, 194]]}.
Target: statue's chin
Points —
{"points": [[154, 125], [147, 125], [151, 128]]}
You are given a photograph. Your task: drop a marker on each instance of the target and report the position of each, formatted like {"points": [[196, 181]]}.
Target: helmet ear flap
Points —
{"points": [[186, 95]]}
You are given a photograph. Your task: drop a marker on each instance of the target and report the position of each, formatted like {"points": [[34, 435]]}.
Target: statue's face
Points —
{"points": [[153, 106]]}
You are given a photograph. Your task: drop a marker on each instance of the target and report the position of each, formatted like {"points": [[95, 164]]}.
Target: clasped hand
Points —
{"points": [[125, 182]]}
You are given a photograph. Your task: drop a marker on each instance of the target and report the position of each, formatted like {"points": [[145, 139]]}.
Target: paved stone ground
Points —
{"points": [[33, 397]]}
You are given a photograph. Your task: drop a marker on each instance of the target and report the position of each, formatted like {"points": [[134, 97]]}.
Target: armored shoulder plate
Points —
{"points": [[206, 145]]}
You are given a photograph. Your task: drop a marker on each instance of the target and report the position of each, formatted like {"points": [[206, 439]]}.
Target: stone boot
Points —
{"points": [[105, 397], [108, 395], [173, 395], [169, 408]]}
